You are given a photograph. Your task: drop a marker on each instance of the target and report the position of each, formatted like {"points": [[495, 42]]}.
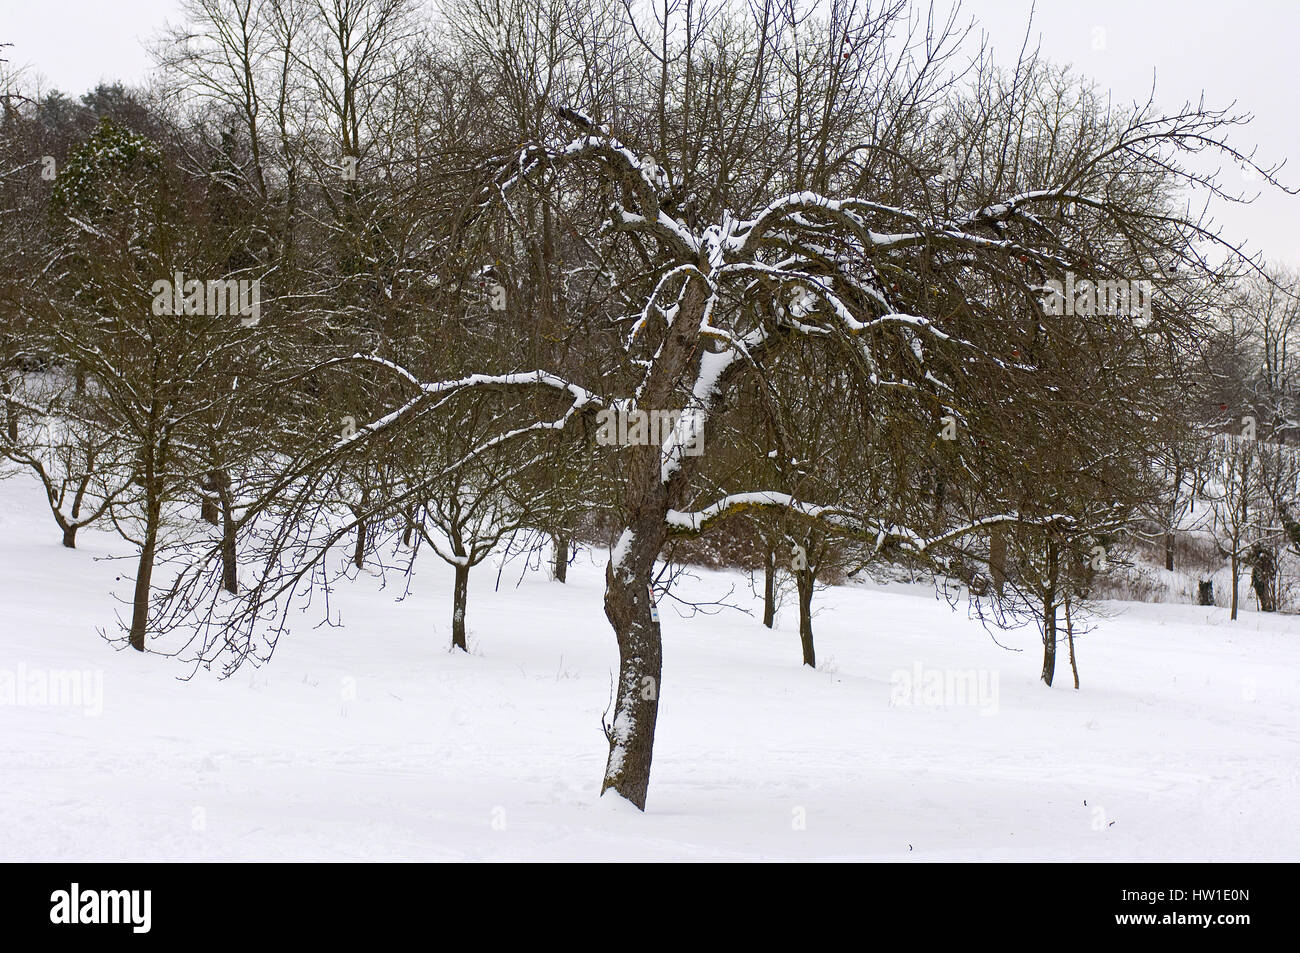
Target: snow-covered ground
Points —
{"points": [[371, 741]]}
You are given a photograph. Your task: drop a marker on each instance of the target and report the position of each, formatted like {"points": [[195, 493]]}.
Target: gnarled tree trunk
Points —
{"points": [[655, 486], [628, 579]]}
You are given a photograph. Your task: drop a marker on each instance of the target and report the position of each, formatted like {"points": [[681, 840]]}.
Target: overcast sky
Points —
{"points": [[1242, 51]]}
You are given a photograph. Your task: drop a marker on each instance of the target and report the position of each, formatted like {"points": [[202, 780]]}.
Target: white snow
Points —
{"points": [[372, 741]]}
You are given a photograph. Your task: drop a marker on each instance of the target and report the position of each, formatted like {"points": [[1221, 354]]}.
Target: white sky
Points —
{"points": [[1243, 51]]}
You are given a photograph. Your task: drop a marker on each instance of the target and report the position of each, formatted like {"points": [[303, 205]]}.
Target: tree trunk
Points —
{"points": [[769, 589], [229, 553], [1049, 616], [630, 572], [70, 536], [1169, 551], [1235, 570], [1049, 643], [1263, 578], [359, 551], [144, 576], [1069, 635], [460, 595], [11, 412], [640, 662], [998, 561], [804, 579], [561, 567], [208, 511]]}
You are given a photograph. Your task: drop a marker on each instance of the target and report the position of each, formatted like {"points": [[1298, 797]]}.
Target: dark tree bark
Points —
{"points": [[208, 511], [1049, 644], [1069, 636], [1049, 615], [229, 551], [1263, 576], [805, 580], [144, 573], [1235, 562], [359, 550], [561, 567], [11, 411], [460, 596], [151, 481], [1169, 551], [636, 709], [70, 528], [998, 561], [409, 530], [769, 588]]}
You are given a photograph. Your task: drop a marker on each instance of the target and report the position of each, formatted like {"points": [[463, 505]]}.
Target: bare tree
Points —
{"points": [[941, 222]]}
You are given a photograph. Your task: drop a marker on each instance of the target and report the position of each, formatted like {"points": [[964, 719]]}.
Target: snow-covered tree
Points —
{"points": [[920, 256]]}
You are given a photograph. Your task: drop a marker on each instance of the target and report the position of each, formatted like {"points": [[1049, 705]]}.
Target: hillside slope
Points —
{"points": [[369, 740]]}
